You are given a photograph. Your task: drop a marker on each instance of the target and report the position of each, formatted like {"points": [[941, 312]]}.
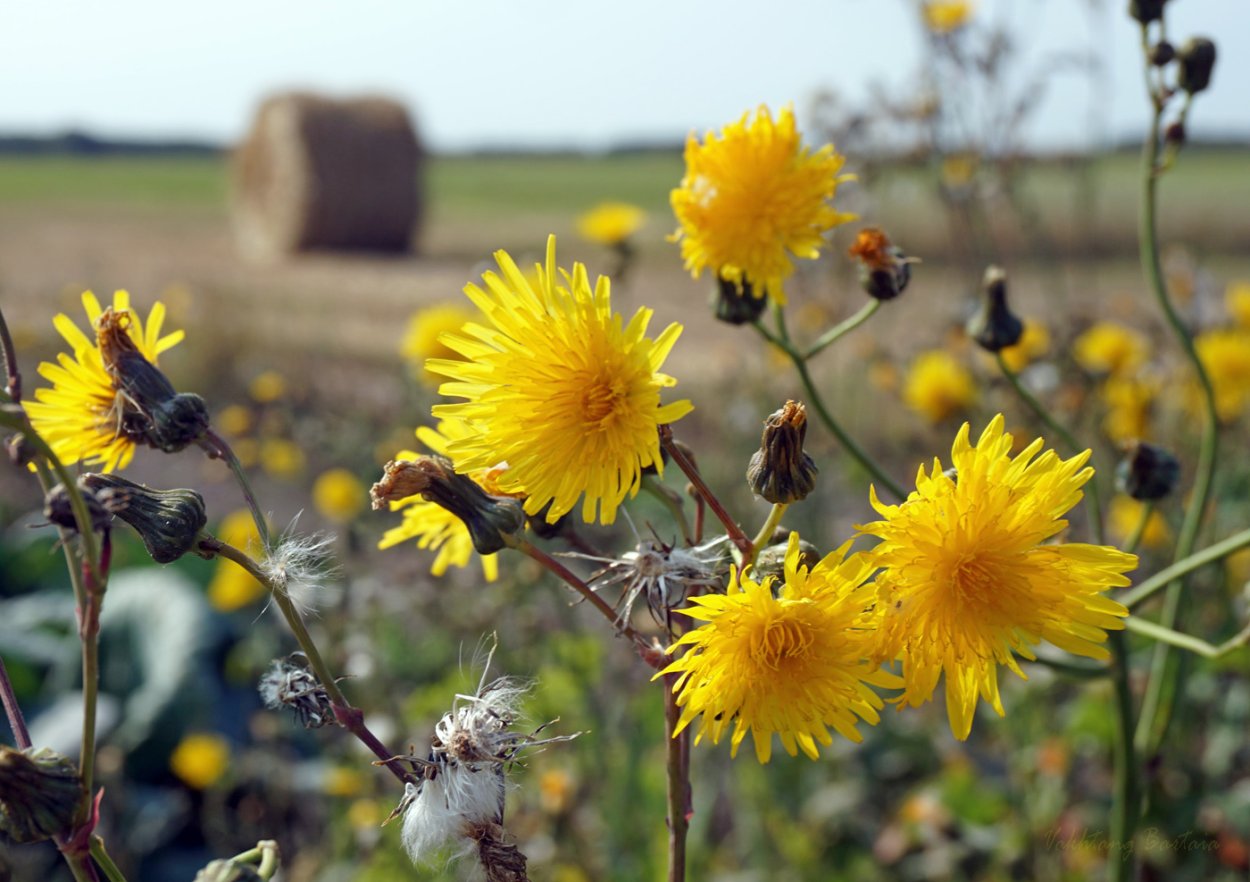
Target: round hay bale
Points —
{"points": [[318, 173]]}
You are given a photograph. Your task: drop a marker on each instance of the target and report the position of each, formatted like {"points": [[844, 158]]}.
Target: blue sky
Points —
{"points": [[551, 72]]}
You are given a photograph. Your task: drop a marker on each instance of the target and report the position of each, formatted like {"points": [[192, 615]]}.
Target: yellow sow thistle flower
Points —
{"points": [[79, 416], [938, 386], [945, 16], [423, 337], [1108, 348], [753, 197], [1225, 354], [559, 388], [794, 665], [967, 583], [610, 223], [200, 759]]}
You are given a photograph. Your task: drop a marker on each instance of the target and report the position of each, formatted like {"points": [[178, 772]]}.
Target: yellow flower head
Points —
{"points": [[1129, 400], [1237, 301], [1108, 348], [559, 388], [938, 386], [433, 526], [423, 337], [753, 197], [281, 458], [1225, 354], [79, 416], [1032, 345], [267, 387], [610, 223], [233, 587], [339, 496], [944, 16], [200, 759], [794, 664], [1124, 517], [967, 583]]}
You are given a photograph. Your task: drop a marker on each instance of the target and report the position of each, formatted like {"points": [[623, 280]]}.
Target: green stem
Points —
{"points": [[766, 531], [217, 447], [670, 500], [12, 377], [842, 328], [1139, 530], [102, 857], [1126, 802], [1195, 645], [1076, 671], [1181, 568]]}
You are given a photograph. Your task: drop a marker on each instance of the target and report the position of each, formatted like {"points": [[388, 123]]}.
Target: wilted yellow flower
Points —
{"points": [[423, 337], [560, 388], [1237, 301], [1108, 348], [200, 759], [79, 416], [793, 664], [944, 16], [610, 223], [1032, 345], [967, 581], [1128, 400], [754, 197], [267, 387], [938, 386], [281, 458], [234, 420], [232, 587], [339, 496], [1225, 354], [1125, 513]]}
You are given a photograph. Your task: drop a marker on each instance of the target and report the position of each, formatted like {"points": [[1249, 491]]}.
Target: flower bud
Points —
{"points": [[994, 327], [884, 270], [57, 508], [1161, 53], [152, 411], [1147, 472], [21, 454], [228, 871], [1146, 11], [488, 518], [737, 305], [168, 521], [1197, 58], [772, 560], [780, 471], [40, 794]]}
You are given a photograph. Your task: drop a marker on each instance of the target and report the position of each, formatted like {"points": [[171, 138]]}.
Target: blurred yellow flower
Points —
{"points": [[610, 223], [555, 790], [200, 759], [248, 452], [1108, 348], [1033, 344], [1237, 301], [343, 781], [78, 416], [339, 496], [1128, 401], [1125, 514], [422, 338], [267, 387], [365, 814], [938, 386], [752, 198], [958, 169], [1225, 354], [234, 420], [944, 16], [281, 458], [232, 587]]}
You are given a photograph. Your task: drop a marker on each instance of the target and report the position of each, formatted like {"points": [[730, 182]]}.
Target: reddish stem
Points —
{"points": [[677, 455]]}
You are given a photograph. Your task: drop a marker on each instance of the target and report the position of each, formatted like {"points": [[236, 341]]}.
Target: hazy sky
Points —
{"points": [[549, 72]]}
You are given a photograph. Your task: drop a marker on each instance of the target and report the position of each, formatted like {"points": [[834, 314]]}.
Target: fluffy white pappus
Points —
{"points": [[444, 810], [301, 567]]}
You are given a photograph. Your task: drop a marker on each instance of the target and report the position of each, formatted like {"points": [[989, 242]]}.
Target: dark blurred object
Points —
{"points": [[316, 173]]}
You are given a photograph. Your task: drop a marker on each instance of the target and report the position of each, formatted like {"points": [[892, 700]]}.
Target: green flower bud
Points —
{"points": [[1197, 59], [40, 794], [168, 521], [1146, 11], [228, 871], [780, 471], [737, 305], [994, 327], [1147, 472], [57, 508], [772, 560]]}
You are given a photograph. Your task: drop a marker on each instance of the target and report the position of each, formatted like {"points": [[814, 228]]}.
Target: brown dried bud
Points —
{"points": [[780, 471], [57, 508], [40, 794], [488, 518], [1146, 11], [290, 683], [993, 326], [1174, 134], [152, 412], [168, 521], [1161, 53], [1147, 472], [737, 305], [884, 270], [501, 860], [1197, 59]]}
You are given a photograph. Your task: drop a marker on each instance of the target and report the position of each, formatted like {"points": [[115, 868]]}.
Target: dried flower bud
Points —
{"points": [[40, 793], [1161, 53], [152, 412], [1147, 472], [771, 561], [21, 454], [290, 683], [168, 521], [780, 471], [1146, 11], [737, 305], [994, 327], [1174, 134], [884, 270], [57, 508], [1197, 59], [228, 871], [488, 518]]}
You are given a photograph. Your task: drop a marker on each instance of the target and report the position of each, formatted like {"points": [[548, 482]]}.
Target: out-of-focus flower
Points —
{"points": [[1128, 400], [610, 223], [80, 415], [1033, 344], [232, 587], [1108, 348], [234, 420], [958, 169], [938, 386], [968, 582], [555, 790], [281, 458], [944, 16], [339, 496], [753, 198], [1225, 354], [792, 663], [561, 389], [343, 781], [1237, 302], [200, 759], [267, 387], [1125, 514], [423, 337]]}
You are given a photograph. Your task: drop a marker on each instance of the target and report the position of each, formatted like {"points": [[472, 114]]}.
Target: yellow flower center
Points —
{"points": [[781, 641], [602, 400], [973, 578]]}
